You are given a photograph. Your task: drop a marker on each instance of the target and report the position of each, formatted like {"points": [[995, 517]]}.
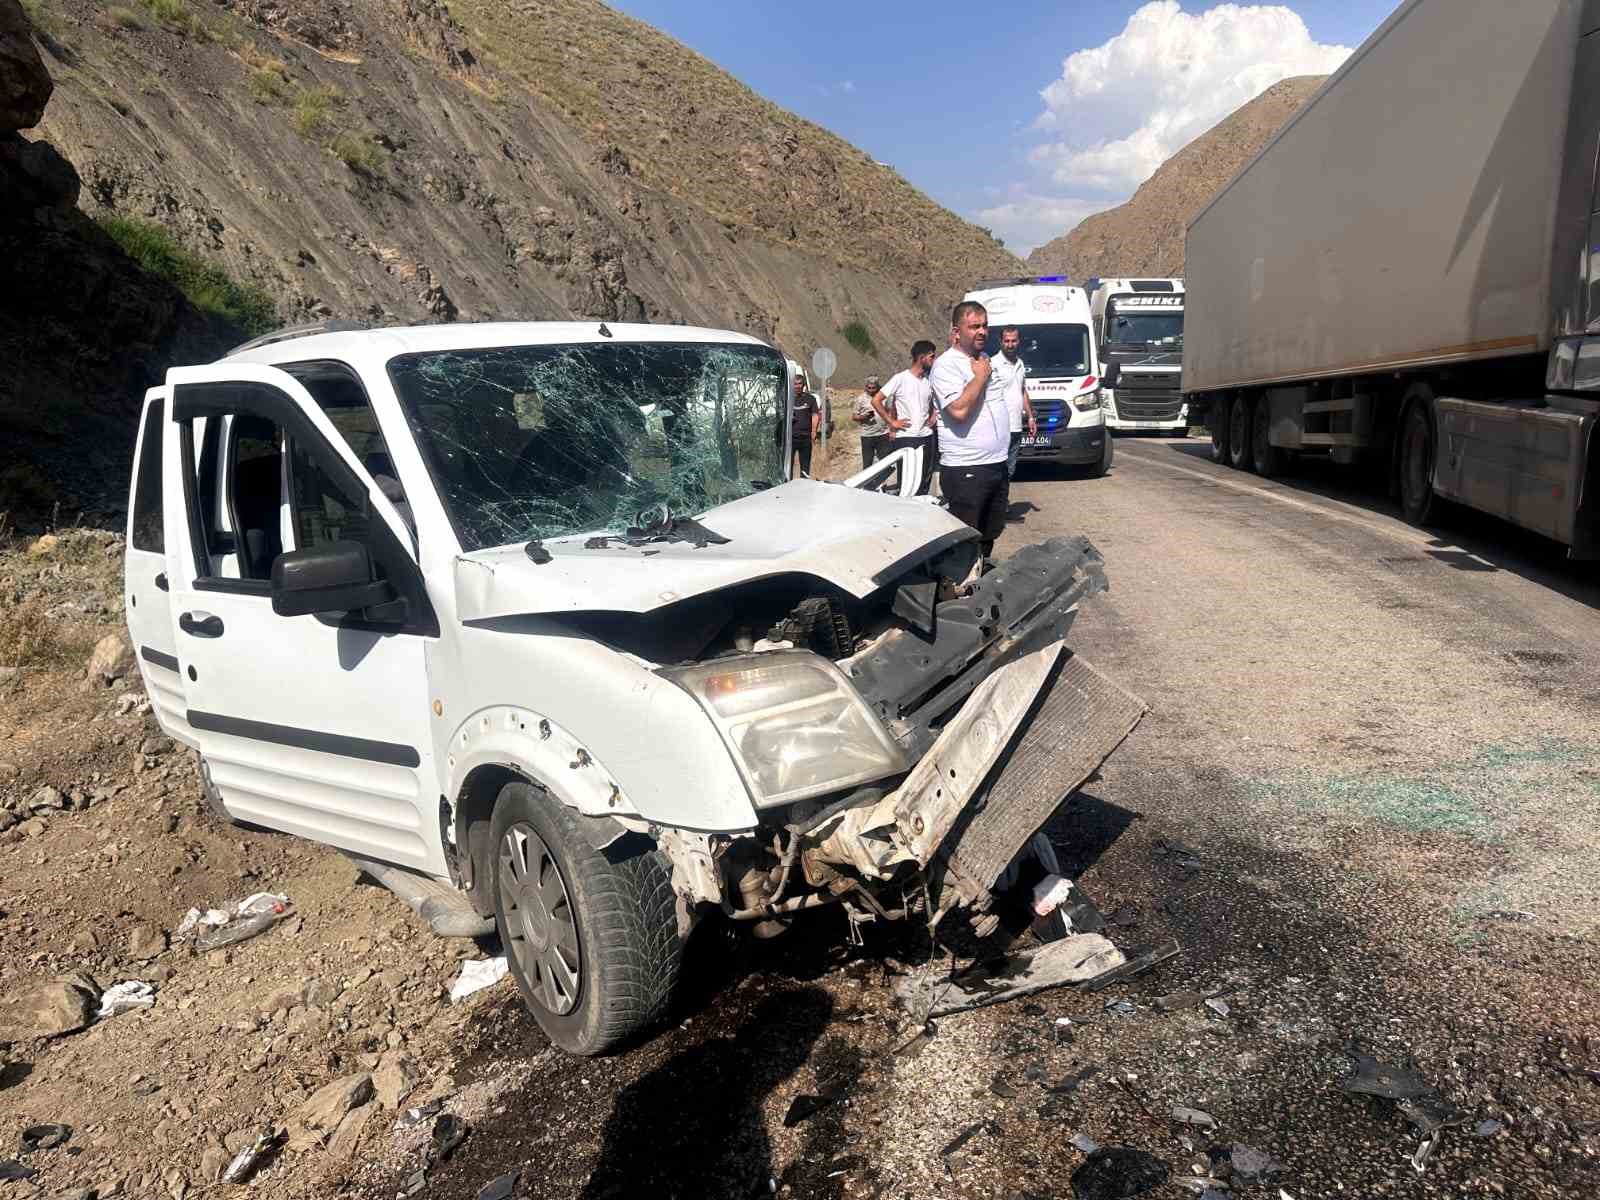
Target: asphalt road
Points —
{"points": [[1364, 801]]}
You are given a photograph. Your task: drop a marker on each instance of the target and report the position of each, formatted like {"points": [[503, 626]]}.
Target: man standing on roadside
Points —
{"points": [[874, 429], [975, 429], [804, 421], [1013, 373], [906, 406]]}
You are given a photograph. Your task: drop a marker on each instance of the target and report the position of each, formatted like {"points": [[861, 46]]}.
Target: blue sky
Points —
{"points": [[1024, 116]]}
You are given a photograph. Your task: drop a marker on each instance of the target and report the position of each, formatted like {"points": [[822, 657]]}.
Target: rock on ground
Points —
{"points": [[24, 83], [111, 658], [322, 1112], [49, 1009]]}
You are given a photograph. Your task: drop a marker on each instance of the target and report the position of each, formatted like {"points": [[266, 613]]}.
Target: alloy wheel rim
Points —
{"points": [[541, 927]]}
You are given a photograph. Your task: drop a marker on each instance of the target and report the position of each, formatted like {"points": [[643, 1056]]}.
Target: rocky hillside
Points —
{"points": [[1145, 235], [394, 161]]}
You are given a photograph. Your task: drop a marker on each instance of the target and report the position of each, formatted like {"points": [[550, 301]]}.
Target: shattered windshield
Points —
{"points": [[528, 442], [1150, 329]]}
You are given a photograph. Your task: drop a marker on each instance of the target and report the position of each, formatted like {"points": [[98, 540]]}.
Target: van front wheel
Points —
{"points": [[592, 943]]}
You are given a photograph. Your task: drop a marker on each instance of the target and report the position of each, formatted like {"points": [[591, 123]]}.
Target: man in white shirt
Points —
{"points": [[975, 427], [906, 406], [1013, 374]]}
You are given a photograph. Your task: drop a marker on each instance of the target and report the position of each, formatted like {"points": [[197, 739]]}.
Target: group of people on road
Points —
{"points": [[961, 407]]}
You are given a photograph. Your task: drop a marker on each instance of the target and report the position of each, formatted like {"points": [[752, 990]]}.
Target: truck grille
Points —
{"points": [[1149, 405]]}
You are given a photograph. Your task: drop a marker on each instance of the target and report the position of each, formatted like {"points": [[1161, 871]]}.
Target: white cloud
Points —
{"points": [[1119, 110], [1027, 220]]}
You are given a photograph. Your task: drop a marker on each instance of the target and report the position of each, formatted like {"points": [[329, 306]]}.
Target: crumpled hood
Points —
{"points": [[854, 539]]}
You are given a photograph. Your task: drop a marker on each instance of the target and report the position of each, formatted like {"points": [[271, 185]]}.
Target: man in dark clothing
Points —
{"points": [[805, 419]]}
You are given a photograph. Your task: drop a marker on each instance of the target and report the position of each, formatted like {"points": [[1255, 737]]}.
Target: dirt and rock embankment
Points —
{"points": [[1145, 235], [392, 161]]}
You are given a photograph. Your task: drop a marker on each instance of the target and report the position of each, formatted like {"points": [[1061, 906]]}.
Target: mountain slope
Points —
{"points": [[382, 159], [1145, 235]]}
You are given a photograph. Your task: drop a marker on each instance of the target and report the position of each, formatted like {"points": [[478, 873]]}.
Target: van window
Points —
{"points": [[147, 532], [1047, 349]]}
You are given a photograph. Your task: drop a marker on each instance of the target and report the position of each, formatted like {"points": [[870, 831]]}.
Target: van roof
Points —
{"points": [[346, 342], [1035, 303]]}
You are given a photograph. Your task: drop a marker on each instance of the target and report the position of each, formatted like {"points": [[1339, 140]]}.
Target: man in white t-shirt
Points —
{"points": [[975, 427], [906, 406], [1013, 374]]}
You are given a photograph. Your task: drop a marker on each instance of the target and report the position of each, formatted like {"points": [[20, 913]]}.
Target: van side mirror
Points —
{"points": [[335, 577], [1109, 373]]}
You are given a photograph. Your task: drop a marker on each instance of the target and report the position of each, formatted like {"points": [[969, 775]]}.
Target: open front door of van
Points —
{"points": [[315, 724]]}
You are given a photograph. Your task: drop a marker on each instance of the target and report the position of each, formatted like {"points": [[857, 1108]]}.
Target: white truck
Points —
{"points": [[1063, 381], [1408, 274], [1138, 324], [525, 619]]}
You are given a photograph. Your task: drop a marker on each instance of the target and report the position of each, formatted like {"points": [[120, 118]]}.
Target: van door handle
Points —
{"points": [[200, 625], [161, 581]]}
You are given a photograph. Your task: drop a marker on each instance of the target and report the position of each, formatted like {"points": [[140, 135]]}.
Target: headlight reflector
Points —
{"points": [[793, 723]]}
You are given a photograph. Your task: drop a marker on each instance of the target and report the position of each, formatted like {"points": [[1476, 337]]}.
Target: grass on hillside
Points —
{"points": [[41, 18], [206, 285], [859, 338]]}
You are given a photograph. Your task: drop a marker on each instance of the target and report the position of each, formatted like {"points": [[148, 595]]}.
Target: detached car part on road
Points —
{"points": [[432, 596]]}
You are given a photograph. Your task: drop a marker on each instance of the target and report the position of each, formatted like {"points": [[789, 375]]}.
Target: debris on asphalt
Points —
{"points": [[960, 1140], [1118, 1173], [476, 975], [1252, 1164], [805, 1106], [1033, 1010], [1203, 1185], [1123, 1008], [500, 1188], [1487, 1128], [44, 1137], [1185, 858], [11, 1169], [125, 997], [1507, 914], [1220, 1007], [1193, 1116], [1063, 1028], [998, 1086], [1177, 1001], [1085, 1143], [1050, 893], [1419, 1160], [1078, 959], [1136, 962], [1421, 1103], [247, 1161], [1071, 1083], [214, 928], [918, 1041]]}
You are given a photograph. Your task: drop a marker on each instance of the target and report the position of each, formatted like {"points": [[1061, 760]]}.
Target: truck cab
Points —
{"points": [[526, 619], [1063, 366], [1138, 325]]}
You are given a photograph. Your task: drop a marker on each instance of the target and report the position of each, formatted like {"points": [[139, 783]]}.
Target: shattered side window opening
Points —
{"points": [[528, 442]]}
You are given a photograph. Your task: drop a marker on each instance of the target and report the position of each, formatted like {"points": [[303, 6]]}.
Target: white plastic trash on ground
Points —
{"points": [[125, 997], [1050, 893], [477, 975]]}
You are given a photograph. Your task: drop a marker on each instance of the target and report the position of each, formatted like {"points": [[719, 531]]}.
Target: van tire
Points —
{"points": [[621, 917]]}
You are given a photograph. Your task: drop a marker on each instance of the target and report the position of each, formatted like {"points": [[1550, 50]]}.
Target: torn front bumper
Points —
{"points": [[1034, 722]]}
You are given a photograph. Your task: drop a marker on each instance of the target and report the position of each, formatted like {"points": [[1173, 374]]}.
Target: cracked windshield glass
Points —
{"points": [[528, 442]]}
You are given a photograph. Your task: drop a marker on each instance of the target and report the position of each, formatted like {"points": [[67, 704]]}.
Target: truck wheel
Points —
{"points": [[1219, 416], [1418, 503], [593, 944], [1271, 461], [1241, 420]]}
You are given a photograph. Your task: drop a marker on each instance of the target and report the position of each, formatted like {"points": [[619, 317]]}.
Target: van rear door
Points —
{"points": [[146, 585]]}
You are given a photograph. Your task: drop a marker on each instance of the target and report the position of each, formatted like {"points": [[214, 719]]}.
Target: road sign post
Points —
{"points": [[823, 362]]}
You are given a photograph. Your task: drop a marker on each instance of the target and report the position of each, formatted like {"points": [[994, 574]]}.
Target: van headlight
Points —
{"points": [[793, 723]]}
